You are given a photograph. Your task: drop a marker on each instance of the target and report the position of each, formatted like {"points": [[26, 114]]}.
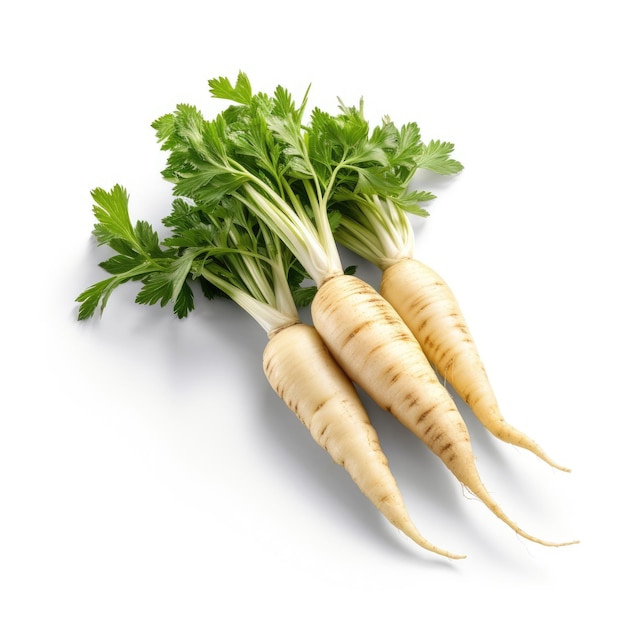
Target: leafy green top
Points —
{"points": [[374, 202], [223, 246], [139, 257], [261, 200], [260, 152]]}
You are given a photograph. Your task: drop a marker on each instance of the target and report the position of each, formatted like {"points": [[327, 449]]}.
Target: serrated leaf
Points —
{"points": [[386, 137], [408, 150], [90, 298], [120, 264], [148, 239], [111, 211], [303, 296], [96, 295], [184, 303], [222, 87], [157, 288], [179, 271], [165, 127], [376, 180], [104, 237], [209, 290], [436, 157]]}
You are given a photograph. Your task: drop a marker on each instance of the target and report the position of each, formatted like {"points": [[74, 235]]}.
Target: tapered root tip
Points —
{"points": [[550, 462], [538, 451], [515, 437], [523, 533], [550, 544], [483, 494], [411, 531], [433, 548]]}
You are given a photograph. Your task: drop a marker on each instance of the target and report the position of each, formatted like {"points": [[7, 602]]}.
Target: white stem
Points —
{"points": [[299, 236]]}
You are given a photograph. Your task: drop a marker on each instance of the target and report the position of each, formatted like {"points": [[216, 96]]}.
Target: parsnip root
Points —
{"points": [[303, 373], [378, 351], [428, 307]]}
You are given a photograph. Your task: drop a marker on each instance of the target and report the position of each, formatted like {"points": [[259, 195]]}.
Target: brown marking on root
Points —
{"points": [[423, 325], [269, 367], [428, 429], [447, 446], [467, 398], [355, 332], [402, 336], [450, 361], [385, 498], [428, 341], [380, 346], [436, 438], [422, 306], [424, 414]]}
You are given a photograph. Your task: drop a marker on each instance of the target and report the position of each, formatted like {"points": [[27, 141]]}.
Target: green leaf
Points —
{"points": [[411, 202], [240, 92], [104, 237], [386, 136], [303, 296], [220, 187], [436, 157], [408, 150], [209, 290], [97, 294], [157, 288], [111, 211], [148, 239], [184, 302], [165, 127], [179, 271], [121, 264], [376, 180]]}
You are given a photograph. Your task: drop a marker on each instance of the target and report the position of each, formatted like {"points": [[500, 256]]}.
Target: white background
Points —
{"points": [[149, 475]]}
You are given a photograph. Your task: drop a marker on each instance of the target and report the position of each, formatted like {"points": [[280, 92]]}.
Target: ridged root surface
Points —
{"points": [[428, 307], [377, 350], [303, 373]]}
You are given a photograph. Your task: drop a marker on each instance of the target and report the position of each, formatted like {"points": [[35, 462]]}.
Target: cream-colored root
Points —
{"points": [[482, 493], [376, 349], [429, 308], [303, 373]]}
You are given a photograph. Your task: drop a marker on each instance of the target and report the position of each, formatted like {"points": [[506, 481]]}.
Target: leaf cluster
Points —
{"points": [[223, 247], [381, 160], [140, 257], [261, 194]]}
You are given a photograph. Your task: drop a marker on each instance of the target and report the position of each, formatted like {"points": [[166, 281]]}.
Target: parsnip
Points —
{"points": [[429, 308], [375, 225], [377, 350], [303, 373], [296, 178], [238, 256]]}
